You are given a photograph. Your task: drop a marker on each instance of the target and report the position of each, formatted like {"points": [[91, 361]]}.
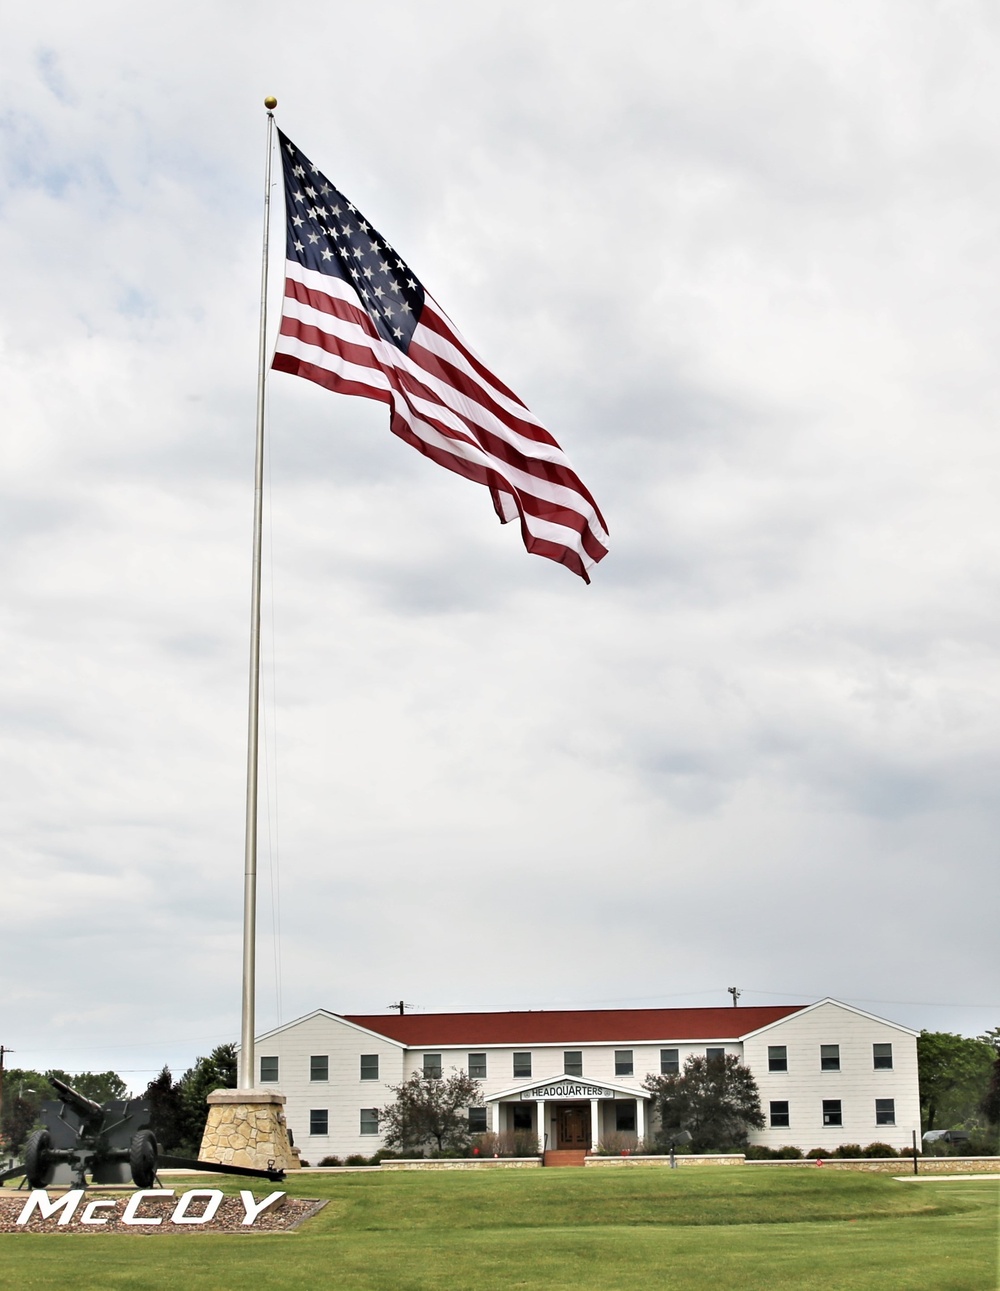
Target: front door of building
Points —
{"points": [[573, 1126]]}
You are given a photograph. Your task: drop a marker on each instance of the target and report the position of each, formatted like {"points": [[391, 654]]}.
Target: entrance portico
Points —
{"points": [[569, 1112]]}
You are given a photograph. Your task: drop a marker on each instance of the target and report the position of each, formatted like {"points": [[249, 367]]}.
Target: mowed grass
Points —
{"points": [[554, 1229]]}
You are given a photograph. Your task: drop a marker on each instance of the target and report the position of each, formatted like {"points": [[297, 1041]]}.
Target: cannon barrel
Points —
{"points": [[80, 1103]]}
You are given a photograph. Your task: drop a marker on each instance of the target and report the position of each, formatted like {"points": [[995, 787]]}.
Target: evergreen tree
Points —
{"points": [[165, 1110], [217, 1071]]}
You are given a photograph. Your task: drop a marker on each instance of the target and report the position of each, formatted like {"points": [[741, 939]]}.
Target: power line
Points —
{"points": [[145, 1044]]}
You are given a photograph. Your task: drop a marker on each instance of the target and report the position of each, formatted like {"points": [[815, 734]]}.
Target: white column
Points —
{"points": [[497, 1118], [595, 1124], [540, 1117], [640, 1118]]}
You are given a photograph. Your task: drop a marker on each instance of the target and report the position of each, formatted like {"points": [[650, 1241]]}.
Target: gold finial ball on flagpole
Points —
{"points": [[270, 102]]}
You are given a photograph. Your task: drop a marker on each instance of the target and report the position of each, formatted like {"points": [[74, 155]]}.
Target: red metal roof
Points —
{"points": [[571, 1026]]}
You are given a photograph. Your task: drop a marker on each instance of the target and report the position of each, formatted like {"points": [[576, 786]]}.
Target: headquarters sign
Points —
{"points": [[569, 1089]]}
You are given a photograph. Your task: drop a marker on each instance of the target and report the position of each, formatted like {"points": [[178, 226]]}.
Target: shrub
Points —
{"points": [[304, 1164], [850, 1150], [880, 1150], [818, 1154], [978, 1145], [789, 1153], [331, 1161], [619, 1143], [356, 1158], [509, 1143], [758, 1152]]}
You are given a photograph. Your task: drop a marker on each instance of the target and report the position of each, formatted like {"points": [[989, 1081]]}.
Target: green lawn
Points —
{"points": [[555, 1229]]}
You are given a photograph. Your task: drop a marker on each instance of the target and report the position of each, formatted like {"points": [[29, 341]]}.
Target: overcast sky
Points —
{"points": [[742, 259]]}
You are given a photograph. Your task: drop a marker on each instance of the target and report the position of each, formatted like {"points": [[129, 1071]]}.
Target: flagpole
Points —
{"points": [[246, 1063]]}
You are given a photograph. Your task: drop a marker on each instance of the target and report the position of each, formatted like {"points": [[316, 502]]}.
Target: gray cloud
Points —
{"points": [[742, 262]]}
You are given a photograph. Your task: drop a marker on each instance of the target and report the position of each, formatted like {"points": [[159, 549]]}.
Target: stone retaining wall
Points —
{"points": [[686, 1160], [899, 1165], [464, 1163], [871, 1165]]}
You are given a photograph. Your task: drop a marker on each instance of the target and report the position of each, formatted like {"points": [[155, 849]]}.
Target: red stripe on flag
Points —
{"points": [[462, 418], [408, 388], [409, 383]]}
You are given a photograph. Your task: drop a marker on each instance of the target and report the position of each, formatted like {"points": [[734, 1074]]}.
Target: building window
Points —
{"points": [[670, 1063], [829, 1058], [777, 1058], [779, 1116], [319, 1121], [319, 1067], [885, 1111], [522, 1117], [573, 1062], [882, 1057], [477, 1120], [432, 1064], [625, 1118], [477, 1066], [832, 1115], [369, 1066], [268, 1071], [369, 1120], [522, 1065], [715, 1055], [623, 1062]]}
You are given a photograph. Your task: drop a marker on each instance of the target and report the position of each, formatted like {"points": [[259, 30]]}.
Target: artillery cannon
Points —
{"points": [[112, 1142]]}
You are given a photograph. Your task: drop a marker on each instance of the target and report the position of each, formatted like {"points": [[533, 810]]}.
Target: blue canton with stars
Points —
{"points": [[327, 233]]}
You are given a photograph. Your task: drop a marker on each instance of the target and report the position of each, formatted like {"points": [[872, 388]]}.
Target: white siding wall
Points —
{"points": [[804, 1086], [343, 1095], [857, 1085], [547, 1061]]}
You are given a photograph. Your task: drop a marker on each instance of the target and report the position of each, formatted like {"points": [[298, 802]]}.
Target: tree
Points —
{"points": [[24, 1091], [217, 1071], [430, 1109], [716, 1101], [101, 1086], [165, 1110], [990, 1105], [954, 1077], [178, 1109]]}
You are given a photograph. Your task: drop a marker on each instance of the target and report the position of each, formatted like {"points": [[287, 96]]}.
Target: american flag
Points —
{"points": [[357, 320]]}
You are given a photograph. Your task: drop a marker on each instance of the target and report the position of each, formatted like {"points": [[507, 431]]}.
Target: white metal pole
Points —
{"points": [[246, 1065]]}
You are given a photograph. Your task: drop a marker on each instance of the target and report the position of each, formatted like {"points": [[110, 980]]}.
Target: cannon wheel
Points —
{"points": [[142, 1157], [37, 1160]]}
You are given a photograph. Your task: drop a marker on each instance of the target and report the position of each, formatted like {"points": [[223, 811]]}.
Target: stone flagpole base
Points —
{"points": [[247, 1127]]}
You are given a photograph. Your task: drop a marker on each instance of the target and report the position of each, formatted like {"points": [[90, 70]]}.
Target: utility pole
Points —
{"points": [[735, 994], [400, 1006]]}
